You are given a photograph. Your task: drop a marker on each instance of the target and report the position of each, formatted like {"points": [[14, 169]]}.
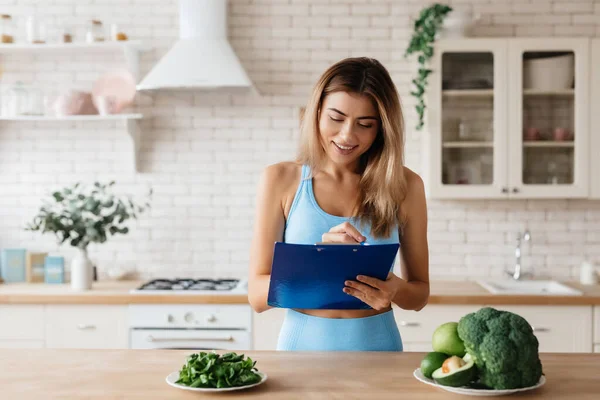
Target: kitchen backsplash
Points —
{"points": [[202, 152]]}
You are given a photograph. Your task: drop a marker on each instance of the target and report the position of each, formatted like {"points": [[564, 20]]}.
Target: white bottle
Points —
{"points": [[587, 274]]}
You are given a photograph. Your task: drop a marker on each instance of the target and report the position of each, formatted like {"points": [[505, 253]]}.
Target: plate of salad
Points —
{"points": [[213, 372]]}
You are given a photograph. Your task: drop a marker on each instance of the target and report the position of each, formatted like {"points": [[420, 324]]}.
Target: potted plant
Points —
{"points": [[426, 30], [81, 215]]}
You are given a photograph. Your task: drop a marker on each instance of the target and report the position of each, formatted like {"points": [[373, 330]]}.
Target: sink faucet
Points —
{"points": [[516, 274]]}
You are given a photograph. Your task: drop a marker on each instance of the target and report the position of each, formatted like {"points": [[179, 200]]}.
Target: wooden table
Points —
{"points": [[140, 374]]}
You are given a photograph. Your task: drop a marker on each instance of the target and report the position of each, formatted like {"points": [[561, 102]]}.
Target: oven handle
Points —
{"points": [[151, 338]]}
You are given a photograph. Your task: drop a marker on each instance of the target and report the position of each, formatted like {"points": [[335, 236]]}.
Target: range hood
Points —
{"points": [[202, 58]]}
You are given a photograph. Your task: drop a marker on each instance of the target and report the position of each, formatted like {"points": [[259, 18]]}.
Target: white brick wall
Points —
{"points": [[202, 152]]}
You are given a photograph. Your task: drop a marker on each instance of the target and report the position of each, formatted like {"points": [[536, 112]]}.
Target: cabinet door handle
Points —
{"points": [[540, 329], [504, 190], [516, 190], [229, 338], [86, 327], [404, 323]]}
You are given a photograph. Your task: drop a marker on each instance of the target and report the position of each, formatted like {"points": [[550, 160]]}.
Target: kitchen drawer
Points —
{"points": [[560, 329], [266, 327], [86, 326], [23, 322], [193, 339], [21, 344], [597, 324], [418, 326], [195, 316], [417, 346]]}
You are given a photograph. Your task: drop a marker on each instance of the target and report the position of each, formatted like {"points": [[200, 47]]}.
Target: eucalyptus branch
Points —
{"points": [[421, 43], [82, 215]]}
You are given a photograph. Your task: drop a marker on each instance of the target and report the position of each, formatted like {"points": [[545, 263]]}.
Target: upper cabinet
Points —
{"points": [[595, 129], [509, 118]]}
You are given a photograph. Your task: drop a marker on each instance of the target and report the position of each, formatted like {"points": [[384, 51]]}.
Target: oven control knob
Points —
{"points": [[189, 317], [211, 318], [170, 318]]}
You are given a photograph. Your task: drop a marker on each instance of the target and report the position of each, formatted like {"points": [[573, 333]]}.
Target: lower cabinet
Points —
{"points": [[417, 327], [559, 329], [21, 322], [21, 344], [87, 326], [266, 327], [597, 348]]}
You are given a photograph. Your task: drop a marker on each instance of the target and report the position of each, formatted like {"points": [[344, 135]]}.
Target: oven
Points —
{"points": [[190, 326]]}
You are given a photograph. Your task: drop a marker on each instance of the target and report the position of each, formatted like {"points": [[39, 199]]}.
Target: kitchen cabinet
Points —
{"points": [[87, 326], [499, 129], [21, 344], [595, 128], [558, 328], [266, 327], [417, 327], [21, 325]]}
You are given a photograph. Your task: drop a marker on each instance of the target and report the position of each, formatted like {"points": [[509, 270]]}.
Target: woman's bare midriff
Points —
{"points": [[343, 313]]}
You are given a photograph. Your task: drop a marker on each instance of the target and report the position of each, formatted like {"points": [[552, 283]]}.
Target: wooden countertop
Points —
{"points": [[117, 292], [104, 292], [140, 374]]}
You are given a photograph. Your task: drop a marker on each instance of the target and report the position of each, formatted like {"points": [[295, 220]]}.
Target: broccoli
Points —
{"points": [[503, 346]]}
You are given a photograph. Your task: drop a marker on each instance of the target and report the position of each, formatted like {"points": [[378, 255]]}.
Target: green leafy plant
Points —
{"points": [[425, 30], [86, 214], [211, 370]]}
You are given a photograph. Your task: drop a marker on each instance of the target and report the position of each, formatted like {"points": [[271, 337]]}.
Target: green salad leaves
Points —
{"points": [[211, 370]]}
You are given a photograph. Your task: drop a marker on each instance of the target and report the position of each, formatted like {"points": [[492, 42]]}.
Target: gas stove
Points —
{"points": [[194, 286]]}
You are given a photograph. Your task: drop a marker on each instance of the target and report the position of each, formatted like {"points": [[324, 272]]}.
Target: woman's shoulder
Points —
{"points": [[282, 171], [282, 175], [413, 180], [415, 190]]}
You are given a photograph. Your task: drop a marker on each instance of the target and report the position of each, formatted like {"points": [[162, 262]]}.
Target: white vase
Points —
{"points": [[81, 272]]}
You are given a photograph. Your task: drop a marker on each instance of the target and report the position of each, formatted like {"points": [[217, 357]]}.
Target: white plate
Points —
{"points": [[475, 392], [174, 376]]}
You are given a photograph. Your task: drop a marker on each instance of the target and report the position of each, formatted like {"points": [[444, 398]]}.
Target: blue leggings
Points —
{"points": [[301, 332]]}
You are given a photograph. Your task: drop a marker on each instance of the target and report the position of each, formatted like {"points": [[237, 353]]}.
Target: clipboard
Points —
{"points": [[308, 276]]}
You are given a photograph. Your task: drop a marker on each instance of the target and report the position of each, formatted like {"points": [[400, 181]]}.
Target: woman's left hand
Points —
{"points": [[375, 292]]}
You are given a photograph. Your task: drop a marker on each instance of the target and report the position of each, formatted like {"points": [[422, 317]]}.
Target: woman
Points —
{"points": [[349, 185]]}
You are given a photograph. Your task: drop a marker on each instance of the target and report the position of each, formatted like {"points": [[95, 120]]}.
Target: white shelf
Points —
{"points": [[538, 92], [107, 45], [131, 121], [113, 117], [467, 145], [553, 144], [468, 93]]}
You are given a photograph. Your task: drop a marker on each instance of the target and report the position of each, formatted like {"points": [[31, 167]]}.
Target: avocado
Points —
{"points": [[455, 371]]}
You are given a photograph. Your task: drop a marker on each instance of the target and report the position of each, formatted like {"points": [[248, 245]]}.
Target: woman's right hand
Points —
{"points": [[343, 233]]}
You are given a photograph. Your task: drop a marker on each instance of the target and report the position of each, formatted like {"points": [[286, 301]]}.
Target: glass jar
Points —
{"points": [[7, 29], [95, 31], [36, 30], [116, 34]]}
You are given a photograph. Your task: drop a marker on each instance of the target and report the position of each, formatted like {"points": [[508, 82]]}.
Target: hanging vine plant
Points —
{"points": [[425, 30]]}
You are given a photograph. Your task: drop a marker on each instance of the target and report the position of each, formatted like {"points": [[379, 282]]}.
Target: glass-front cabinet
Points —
{"points": [[467, 118], [508, 117], [549, 118], [595, 127]]}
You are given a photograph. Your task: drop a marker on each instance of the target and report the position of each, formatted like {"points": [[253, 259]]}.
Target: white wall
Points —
{"points": [[202, 152]]}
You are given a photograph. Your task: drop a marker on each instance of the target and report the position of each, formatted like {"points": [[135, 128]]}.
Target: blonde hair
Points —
{"points": [[382, 184]]}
